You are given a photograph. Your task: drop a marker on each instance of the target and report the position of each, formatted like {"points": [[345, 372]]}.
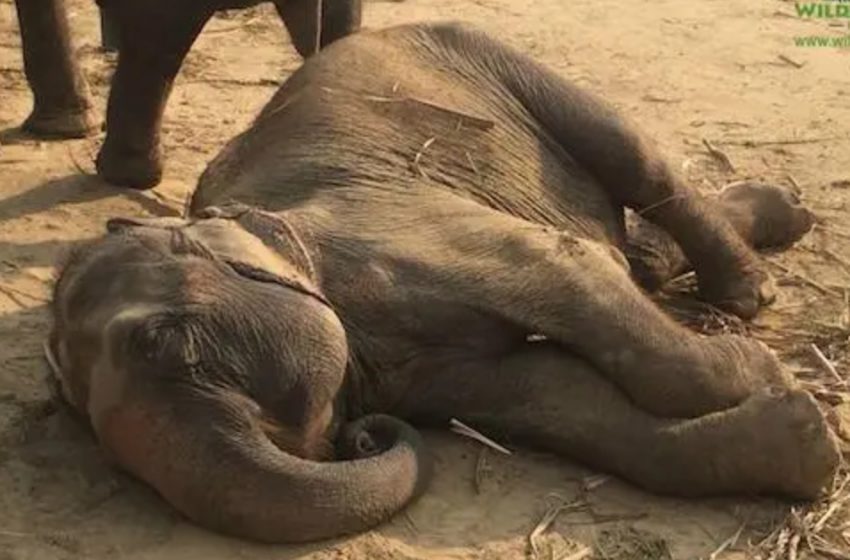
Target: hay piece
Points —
{"points": [[462, 429], [549, 516]]}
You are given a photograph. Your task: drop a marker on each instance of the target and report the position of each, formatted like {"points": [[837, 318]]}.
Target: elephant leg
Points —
{"points": [[340, 18], [154, 41], [579, 293], [767, 217], [654, 257], [314, 24], [632, 172], [109, 35], [62, 105], [774, 442]]}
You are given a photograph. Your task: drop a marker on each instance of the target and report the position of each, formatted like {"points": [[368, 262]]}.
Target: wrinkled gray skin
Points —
{"points": [[404, 213], [154, 37]]}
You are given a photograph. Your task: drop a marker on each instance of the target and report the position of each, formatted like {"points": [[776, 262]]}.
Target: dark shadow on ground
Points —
{"points": [[74, 189]]}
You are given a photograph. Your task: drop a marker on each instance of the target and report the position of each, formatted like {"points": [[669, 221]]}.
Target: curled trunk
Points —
{"points": [[211, 460]]}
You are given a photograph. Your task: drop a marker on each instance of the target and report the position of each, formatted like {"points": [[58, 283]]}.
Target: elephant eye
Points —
{"points": [[168, 338], [153, 338]]}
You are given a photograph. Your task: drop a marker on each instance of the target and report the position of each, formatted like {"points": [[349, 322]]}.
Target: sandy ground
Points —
{"points": [[686, 71]]}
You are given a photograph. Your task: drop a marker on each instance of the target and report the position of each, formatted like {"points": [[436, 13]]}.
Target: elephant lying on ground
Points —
{"points": [[155, 36], [380, 245]]}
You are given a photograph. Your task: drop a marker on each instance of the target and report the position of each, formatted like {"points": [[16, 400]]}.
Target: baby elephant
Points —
{"points": [[379, 248], [154, 38]]}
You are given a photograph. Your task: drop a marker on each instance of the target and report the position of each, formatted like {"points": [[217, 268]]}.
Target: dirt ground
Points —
{"points": [[723, 72]]}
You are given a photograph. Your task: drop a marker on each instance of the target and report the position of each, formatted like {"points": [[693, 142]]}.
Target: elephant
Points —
{"points": [[154, 38], [424, 224]]}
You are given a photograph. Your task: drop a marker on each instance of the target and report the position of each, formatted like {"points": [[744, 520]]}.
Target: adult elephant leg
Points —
{"points": [[767, 217], [155, 39], [340, 18], [62, 105], [314, 24], [775, 442], [632, 172], [110, 40], [576, 292]]}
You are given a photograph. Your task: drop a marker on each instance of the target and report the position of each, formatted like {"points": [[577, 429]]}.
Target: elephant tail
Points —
{"points": [[209, 457]]}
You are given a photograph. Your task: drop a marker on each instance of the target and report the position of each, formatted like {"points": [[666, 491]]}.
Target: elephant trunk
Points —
{"points": [[210, 458]]}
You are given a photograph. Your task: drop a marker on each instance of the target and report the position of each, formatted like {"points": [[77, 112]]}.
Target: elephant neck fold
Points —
{"points": [[276, 231]]}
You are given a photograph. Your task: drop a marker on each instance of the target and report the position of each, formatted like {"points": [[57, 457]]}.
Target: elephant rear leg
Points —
{"points": [[767, 217], [631, 171], [775, 442], [62, 106]]}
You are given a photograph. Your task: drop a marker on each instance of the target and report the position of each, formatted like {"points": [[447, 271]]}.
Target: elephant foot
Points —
{"points": [[68, 123], [780, 443], [741, 291], [766, 216], [129, 169]]}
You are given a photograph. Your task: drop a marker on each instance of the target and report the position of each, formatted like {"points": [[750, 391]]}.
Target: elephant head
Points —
{"points": [[210, 366]]}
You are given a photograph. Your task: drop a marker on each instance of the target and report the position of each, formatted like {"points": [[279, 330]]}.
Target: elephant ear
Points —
{"points": [[303, 20]]}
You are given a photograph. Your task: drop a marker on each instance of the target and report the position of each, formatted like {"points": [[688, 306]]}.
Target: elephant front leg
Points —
{"points": [[576, 292], [154, 41], [767, 217], [774, 442], [62, 105]]}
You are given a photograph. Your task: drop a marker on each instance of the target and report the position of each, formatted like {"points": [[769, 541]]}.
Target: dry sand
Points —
{"points": [[686, 71]]}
